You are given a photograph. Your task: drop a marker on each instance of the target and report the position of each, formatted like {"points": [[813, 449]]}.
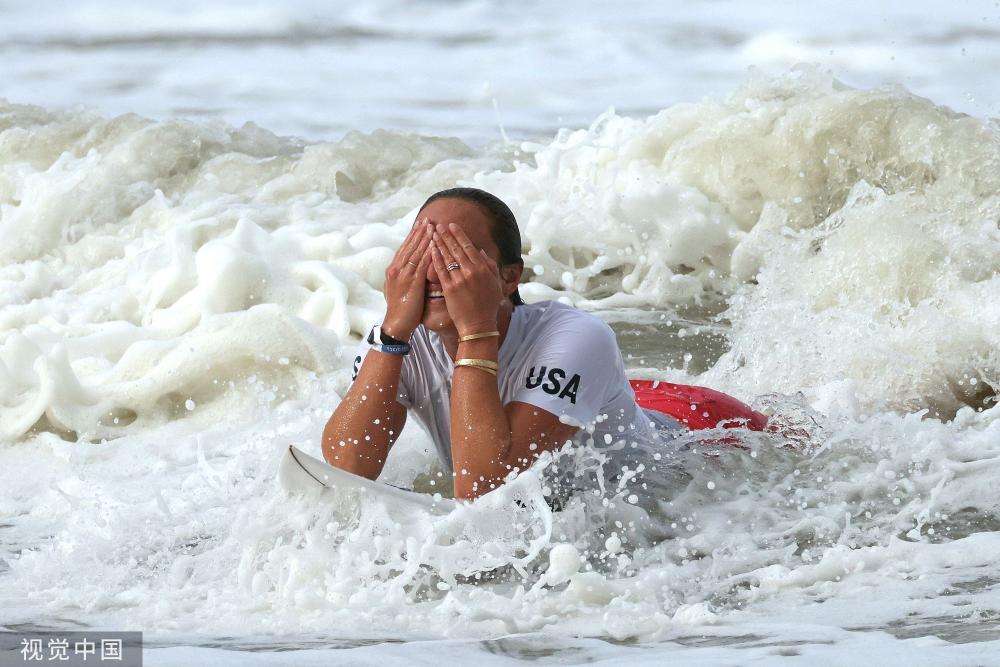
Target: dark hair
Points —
{"points": [[504, 232]]}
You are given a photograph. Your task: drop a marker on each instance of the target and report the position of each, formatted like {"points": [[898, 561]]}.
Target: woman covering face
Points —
{"points": [[494, 381]]}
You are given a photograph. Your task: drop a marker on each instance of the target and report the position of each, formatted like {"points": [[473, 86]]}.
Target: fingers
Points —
{"points": [[406, 261], [437, 240], [410, 238], [419, 259], [441, 267], [490, 262], [423, 262], [411, 278], [416, 243], [460, 248]]}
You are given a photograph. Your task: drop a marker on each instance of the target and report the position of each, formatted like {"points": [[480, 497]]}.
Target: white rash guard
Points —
{"points": [[554, 357]]}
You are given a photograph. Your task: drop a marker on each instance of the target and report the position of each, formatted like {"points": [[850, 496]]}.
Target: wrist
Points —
{"points": [[397, 331], [481, 348], [476, 328]]}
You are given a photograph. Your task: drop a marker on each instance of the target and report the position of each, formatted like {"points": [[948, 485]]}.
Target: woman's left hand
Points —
{"points": [[473, 292]]}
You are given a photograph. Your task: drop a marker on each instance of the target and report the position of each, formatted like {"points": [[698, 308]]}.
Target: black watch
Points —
{"points": [[379, 337]]}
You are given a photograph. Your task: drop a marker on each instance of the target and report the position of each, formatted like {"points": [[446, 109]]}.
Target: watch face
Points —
{"points": [[386, 339], [378, 337]]}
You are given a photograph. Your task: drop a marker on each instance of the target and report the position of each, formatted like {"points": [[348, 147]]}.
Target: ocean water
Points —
{"points": [[197, 203]]}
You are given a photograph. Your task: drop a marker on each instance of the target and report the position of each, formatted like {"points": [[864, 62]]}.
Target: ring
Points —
{"points": [[413, 263], [453, 266]]}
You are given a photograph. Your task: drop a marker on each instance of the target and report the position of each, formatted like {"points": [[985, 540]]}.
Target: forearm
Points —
{"points": [[368, 420], [480, 429], [363, 428]]}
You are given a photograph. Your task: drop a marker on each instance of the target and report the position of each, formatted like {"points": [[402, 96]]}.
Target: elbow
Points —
{"points": [[468, 487], [329, 443], [328, 452], [469, 493]]}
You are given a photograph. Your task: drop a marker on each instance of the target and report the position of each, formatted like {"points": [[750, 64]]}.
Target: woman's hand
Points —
{"points": [[405, 282], [473, 292]]}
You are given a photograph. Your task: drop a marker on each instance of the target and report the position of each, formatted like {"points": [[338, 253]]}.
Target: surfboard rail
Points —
{"points": [[299, 472]]}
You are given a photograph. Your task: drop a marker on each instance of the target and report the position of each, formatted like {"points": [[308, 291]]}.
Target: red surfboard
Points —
{"points": [[697, 407]]}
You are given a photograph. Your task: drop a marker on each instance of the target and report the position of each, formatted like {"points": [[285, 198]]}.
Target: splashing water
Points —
{"points": [[176, 297]]}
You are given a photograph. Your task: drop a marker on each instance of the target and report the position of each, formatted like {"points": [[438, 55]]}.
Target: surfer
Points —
{"points": [[494, 381]]}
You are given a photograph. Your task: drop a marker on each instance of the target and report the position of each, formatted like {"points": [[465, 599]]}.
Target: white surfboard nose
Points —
{"points": [[299, 472], [294, 476]]}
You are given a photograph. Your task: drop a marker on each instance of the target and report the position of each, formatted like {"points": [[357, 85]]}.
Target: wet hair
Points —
{"points": [[504, 233]]}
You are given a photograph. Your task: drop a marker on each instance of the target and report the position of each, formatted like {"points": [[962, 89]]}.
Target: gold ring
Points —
{"points": [[453, 266], [413, 263]]}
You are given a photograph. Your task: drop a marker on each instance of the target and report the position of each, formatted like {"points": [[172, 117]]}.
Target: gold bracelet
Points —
{"points": [[485, 334], [481, 364]]}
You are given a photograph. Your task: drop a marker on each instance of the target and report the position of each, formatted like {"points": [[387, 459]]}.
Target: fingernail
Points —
{"points": [[452, 226]]}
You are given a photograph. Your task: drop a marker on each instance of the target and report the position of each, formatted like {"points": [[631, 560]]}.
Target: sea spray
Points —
{"points": [[852, 231]]}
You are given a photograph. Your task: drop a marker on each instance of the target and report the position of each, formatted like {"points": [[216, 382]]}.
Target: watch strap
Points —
{"points": [[383, 342]]}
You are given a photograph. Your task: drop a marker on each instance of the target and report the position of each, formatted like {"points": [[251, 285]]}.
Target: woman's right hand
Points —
{"points": [[405, 280]]}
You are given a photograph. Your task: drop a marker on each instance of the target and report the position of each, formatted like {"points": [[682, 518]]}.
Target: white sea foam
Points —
{"points": [[176, 297]]}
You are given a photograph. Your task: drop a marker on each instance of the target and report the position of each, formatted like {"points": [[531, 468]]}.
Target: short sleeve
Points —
{"points": [[404, 391], [572, 370]]}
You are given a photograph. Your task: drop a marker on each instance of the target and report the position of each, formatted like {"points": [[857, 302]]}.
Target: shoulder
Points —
{"points": [[551, 327], [554, 318], [568, 362]]}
